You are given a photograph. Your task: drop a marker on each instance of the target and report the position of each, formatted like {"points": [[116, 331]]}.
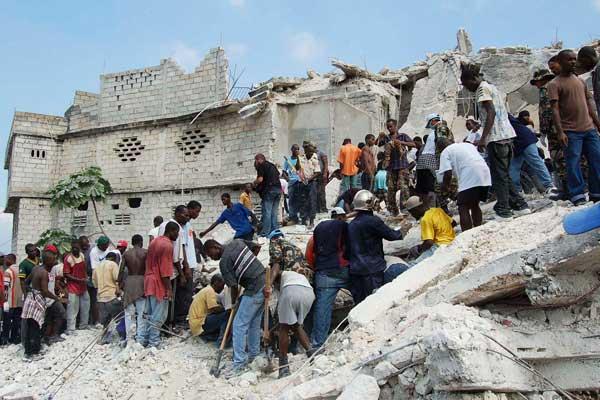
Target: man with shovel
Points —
{"points": [[240, 267]]}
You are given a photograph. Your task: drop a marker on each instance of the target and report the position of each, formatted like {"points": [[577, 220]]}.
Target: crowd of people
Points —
{"points": [[137, 293]]}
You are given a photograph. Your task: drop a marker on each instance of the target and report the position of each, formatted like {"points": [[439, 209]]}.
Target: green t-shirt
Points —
{"points": [[25, 268]]}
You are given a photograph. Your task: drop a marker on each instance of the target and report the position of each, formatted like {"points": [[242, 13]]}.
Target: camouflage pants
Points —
{"points": [[559, 163], [397, 180], [444, 196]]}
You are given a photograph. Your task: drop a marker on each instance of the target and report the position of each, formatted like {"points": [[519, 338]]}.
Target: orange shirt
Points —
{"points": [[349, 155]]}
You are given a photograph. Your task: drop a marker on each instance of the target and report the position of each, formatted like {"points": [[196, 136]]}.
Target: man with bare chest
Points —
{"points": [[34, 308], [134, 268]]}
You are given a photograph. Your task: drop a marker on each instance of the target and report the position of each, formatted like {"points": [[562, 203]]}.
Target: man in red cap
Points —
{"points": [[122, 245]]}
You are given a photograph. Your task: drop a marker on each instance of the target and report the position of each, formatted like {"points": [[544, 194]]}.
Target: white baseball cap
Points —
{"points": [[337, 211]]}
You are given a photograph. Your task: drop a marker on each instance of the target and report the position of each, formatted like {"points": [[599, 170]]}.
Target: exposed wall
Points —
{"points": [[162, 90], [214, 151], [30, 219], [33, 153], [121, 221], [327, 114]]}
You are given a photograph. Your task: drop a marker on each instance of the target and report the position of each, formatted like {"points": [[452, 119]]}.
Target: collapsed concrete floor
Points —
{"points": [[508, 311]]}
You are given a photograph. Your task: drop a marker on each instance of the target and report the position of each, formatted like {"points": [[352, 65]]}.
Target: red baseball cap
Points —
{"points": [[122, 243], [52, 248]]}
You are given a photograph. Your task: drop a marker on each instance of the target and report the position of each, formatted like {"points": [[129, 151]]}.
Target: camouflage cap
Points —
{"points": [[541, 74], [308, 143]]}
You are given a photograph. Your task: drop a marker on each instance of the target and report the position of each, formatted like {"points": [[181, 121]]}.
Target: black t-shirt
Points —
{"points": [[268, 171]]}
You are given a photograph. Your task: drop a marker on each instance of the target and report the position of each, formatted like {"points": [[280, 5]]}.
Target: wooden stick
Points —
{"points": [[266, 333], [215, 369]]}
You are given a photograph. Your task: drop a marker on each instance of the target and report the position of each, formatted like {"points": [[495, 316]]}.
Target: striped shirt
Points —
{"points": [[239, 266]]}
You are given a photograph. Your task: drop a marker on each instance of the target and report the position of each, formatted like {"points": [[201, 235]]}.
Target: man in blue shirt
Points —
{"points": [[237, 216], [291, 167], [330, 245], [525, 150]]}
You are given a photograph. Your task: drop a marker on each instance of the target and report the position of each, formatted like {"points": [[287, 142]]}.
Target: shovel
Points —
{"points": [[215, 370], [266, 332]]}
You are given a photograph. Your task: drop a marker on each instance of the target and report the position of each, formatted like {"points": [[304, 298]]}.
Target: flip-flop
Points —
{"points": [[583, 220]]}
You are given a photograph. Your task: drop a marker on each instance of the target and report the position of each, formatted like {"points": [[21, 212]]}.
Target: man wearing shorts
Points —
{"points": [[295, 300]]}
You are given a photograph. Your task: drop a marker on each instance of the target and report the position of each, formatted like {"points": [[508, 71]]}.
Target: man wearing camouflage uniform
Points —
{"points": [[540, 80], [397, 166], [287, 256], [429, 162]]}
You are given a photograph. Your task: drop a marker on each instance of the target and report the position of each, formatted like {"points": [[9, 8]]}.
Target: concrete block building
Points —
{"points": [[139, 130]]}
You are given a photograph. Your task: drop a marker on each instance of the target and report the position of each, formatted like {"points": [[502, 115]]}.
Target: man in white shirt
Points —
{"points": [[474, 128], [153, 233], [311, 168], [99, 251], [496, 138], [474, 179]]}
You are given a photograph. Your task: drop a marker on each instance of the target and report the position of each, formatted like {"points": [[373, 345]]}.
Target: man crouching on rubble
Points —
{"points": [[239, 266], [365, 235], [437, 228]]}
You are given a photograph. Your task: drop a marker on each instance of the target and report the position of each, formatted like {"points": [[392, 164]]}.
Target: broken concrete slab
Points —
{"points": [[322, 388], [476, 248], [363, 387]]}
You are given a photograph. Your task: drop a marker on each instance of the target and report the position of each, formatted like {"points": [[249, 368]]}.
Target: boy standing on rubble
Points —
{"points": [[497, 139]]}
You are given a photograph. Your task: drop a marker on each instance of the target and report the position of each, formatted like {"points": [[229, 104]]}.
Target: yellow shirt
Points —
{"points": [[105, 278], [436, 225], [203, 301], [246, 201]]}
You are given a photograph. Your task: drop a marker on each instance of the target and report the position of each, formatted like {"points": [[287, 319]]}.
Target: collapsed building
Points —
{"points": [[508, 311], [163, 136]]}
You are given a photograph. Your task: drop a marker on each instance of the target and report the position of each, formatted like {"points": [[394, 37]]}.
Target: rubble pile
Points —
{"points": [[508, 311]]}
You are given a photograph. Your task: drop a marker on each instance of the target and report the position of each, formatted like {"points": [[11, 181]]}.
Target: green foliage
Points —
{"points": [[59, 238], [75, 190]]}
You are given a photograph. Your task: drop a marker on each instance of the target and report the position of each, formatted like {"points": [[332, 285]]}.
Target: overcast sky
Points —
{"points": [[52, 48]]}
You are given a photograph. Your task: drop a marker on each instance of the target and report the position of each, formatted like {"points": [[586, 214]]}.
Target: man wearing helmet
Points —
{"points": [[365, 236]]}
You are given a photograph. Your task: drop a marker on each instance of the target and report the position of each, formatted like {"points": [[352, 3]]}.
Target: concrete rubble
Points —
{"points": [[507, 311]]}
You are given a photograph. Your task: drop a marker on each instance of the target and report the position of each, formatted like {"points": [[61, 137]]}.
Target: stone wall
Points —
{"points": [[33, 153], [214, 151], [30, 219], [162, 90]]}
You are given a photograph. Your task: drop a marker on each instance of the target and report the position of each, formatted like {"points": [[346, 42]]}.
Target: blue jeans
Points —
{"points": [[270, 210], [135, 312], [156, 313], [588, 144], [326, 289], [349, 182], [246, 328], [293, 203], [536, 165], [426, 254], [308, 209], [214, 326], [394, 271]]}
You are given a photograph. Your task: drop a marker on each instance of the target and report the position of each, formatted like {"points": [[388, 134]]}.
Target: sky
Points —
{"points": [[52, 48]]}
